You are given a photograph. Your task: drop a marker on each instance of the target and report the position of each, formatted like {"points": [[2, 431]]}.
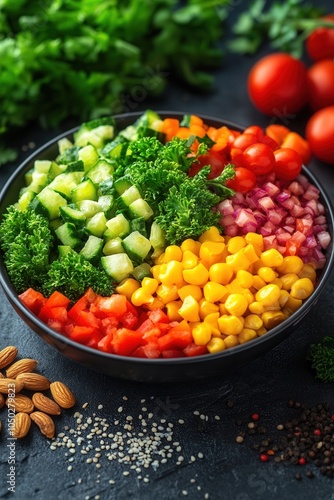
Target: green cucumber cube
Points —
{"points": [[117, 266]]}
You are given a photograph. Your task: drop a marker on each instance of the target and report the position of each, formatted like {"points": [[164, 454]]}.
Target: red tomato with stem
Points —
{"points": [[288, 163], [277, 85], [259, 158], [320, 43], [321, 84], [320, 134], [244, 180]]}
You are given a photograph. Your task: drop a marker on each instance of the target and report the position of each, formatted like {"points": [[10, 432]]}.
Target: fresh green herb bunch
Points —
{"points": [[321, 356]]}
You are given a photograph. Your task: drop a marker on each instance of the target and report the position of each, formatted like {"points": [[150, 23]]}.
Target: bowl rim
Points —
{"points": [[234, 351]]}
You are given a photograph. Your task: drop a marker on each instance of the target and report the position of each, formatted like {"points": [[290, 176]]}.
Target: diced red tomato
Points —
{"points": [[150, 351], [56, 301], [82, 334], [105, 344], [175, 339], [33, 299], [172, 353], [195, 350], [158, 316], [115, 305], [126, 341]]}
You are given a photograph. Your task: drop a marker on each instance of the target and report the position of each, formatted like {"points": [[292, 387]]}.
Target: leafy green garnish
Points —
{"points": [[321, 356]]}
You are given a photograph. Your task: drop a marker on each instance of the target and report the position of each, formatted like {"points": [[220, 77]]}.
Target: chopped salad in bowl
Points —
{"points": [[171, 237]]}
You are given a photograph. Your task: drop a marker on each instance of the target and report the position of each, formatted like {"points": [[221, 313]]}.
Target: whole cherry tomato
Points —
{"points": [[320, 43], [277, 85], [244, 180], [321, 84], [259, 158], [215, 160], [244, 140], [320, 134], [288, 163]]}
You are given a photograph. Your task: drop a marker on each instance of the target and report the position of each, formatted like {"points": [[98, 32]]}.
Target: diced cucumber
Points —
{"points": [[64, 144], [142, 271], [107, 204], [38, 181], [113, 246], [42, 166], [95, 132], [89, 156], [64, 183], [106, 132], [48, 203], [85, 190], [73, 215], [121, 185], [117, 266], [140, 208], [63, 250], [92, 249], [68, 235], [157, 236], [96, 225], [138, 224], [115, 149], [101, 171], [117, 226], [75, 166], [28, 176], [106, 186], [131, 194], [85, 137], [55, 223], [89, 207], [56, 169], [136, 246], [25, 199]]}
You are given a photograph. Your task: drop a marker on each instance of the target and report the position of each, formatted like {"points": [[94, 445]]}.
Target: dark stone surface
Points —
{"points": [[227, 470]]}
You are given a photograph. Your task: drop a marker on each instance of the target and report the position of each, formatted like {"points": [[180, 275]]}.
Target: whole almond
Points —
{"points": [[2, 375], [62, 394], [20, 403], [22, 424], [45, 423], [25, 365], [10, 385], [33, 381], [7, 355], [45, 404], [2, 401]]}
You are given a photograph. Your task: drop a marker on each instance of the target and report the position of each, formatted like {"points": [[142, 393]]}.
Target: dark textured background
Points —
{"points": [[228, 470]]}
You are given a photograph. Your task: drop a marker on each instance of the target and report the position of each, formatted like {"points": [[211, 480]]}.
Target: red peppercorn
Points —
{"points": [[264, 457], [332, 417], [302, 461], [317, 432], [255, 416]]}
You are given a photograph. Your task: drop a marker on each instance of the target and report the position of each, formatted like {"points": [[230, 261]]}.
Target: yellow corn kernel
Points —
{"points": [[221, 273], [201, 333], [191, 245], [302, 289], [288, 280], [155, 271], [252, 253], [268, 294], [272, 258], [172, 252], [275, 306], [160, 260], [212, 321], [206, 308], [156, 304], [234, 287], [287, 313], [308, 271], [267, 274], [278, 282], [256, 307], [283, 298], [193, 290], [254, 239], [246, 335], [230, 325], [140, 297], [223, 310], [150, 285], [167, 293], [261, 331], [272, 318], [253, 321], [212, 234], [127, 287], [256, 266], [238, 261], [172, 309], [216, 345], [189, 259], [189, 309], [235, 244], [231, 341], [244, 278], [214, 292], [211, 251], [258, 282], [249, 296], [293, 304], [291, 264], [171, 273], [199, 275], [236, 304]]}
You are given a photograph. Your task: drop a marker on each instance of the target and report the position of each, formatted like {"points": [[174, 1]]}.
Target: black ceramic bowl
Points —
{"points": [[156, 370]]}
